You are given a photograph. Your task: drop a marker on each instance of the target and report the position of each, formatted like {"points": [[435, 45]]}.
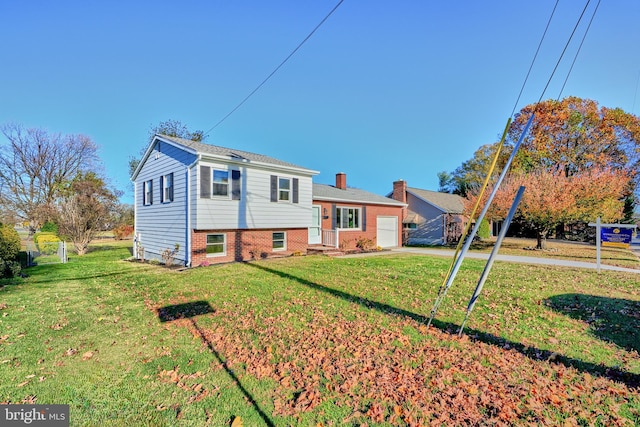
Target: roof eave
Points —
{"points": [[264, 165], [336, 199]]}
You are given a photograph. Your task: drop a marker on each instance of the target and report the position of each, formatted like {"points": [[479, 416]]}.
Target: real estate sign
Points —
{"points": [[616, 237]]}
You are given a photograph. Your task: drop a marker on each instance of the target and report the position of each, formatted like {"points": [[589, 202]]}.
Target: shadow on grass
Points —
{"points": [[189, 311], [610, 319], [616, 374]]}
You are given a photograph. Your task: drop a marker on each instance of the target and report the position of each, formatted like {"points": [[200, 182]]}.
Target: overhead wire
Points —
{"points": [[457, 259], [563, 51], [246, 98], [579, 48], [534, 57]]}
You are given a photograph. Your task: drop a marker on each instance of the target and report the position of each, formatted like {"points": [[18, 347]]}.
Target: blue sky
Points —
{"points": [[383, 90]]}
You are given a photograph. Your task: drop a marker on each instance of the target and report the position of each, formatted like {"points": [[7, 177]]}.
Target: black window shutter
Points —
{"points": [[364, 218], [274, 188], [334, 215], [144, 194], [150, 191], [162, 200], [205, 182], [235, 185], [172, 184], [295, 190]]}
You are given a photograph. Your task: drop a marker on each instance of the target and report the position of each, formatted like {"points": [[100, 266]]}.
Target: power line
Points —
{"points": [[578, 51], [633, 107], [534, 57], [564, 50], [276, 69]]}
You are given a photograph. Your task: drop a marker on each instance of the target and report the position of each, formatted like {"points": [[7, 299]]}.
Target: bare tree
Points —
{"points": [[85, 207], [35, 164]]}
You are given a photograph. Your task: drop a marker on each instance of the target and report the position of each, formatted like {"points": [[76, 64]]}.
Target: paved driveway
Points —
{"points": [[514, 258]]}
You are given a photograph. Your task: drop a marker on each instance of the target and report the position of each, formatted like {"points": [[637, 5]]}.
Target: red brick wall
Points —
{"points": [[244, 245], [348, 238]]}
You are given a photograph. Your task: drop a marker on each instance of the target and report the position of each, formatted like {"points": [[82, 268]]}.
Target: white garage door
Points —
{"points": [[387, 231]]}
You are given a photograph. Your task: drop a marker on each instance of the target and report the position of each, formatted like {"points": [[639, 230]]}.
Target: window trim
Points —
{"points": [[339, 213], [166, 190], [147, 192], [224, 245], [214, 183], [284, 241], [289, 191]]}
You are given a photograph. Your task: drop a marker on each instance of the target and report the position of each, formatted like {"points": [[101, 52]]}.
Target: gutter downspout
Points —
{"points": [[135, 220], [188, 219]]}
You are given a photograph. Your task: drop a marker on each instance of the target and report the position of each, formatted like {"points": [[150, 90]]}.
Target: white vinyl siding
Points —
{"points": [[254, 209]]}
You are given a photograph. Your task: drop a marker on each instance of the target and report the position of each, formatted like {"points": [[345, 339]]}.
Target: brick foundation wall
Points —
{"points": [[245, 245]]}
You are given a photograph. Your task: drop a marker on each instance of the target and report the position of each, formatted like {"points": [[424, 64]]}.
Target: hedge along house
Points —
{"points": [[207, 204], [345, 217], [431, 217]]}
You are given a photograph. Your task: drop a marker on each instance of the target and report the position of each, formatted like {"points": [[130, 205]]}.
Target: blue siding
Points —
{"points": [[163, 225], [430, 229]]}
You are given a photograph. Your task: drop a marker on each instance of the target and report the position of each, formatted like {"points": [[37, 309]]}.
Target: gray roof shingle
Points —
{"points": [[449, 203], [216, 150], [329, 192]]}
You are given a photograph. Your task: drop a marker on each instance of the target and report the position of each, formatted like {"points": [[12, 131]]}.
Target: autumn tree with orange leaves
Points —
{"points": [[570, 135], [552, 198], [578, 161]]}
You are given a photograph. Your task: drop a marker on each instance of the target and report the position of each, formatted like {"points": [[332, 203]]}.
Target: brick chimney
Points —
{"points": [[341, 180], [400, 191]]}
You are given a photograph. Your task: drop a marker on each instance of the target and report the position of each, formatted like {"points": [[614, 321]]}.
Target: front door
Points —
{"points": [[315, 231]]}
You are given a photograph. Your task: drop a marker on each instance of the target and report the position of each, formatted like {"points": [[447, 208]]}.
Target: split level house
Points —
{"points": [[199, 204], [431, 217], [212, 204]]}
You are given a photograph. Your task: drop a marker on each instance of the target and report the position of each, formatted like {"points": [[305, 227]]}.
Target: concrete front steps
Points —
{"points": [[324, 250]]}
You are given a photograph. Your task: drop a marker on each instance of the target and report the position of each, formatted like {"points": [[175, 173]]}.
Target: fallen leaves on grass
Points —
{"points": [[187, 382], [383, 376]]}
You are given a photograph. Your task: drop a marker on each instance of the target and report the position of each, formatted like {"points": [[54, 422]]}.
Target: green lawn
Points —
{"points": [[320, 341]]}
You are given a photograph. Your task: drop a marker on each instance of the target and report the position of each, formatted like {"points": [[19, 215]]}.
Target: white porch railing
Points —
{"points": [[330, 238]]}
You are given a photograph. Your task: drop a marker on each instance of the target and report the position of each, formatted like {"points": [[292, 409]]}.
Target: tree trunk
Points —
{"points": [[541, 239]]}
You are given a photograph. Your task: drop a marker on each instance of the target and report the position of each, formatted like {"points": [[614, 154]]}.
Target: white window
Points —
{"points": [[167, 188], [220, 183], [216, 245], [147, 193], [284, 189], [348, 217], [279, 241]]}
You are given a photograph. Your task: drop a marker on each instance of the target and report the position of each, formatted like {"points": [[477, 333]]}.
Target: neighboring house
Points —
{"points": [[206, 204], [431, 218], [344, 216]]}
